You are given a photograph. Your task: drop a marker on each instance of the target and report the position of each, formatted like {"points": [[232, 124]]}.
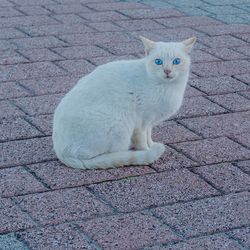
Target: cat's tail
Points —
{"points": [[117, 159]]}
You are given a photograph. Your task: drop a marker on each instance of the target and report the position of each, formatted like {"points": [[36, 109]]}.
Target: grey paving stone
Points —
{"points": [[128, 231], [43, 123], [17, 181], [153, 190], [63, 236], [10, 242], [12, 90], [210, 151], [225, 177], [69, 19], [7, 110], [208, 215], [244, 165], [62, 205]]}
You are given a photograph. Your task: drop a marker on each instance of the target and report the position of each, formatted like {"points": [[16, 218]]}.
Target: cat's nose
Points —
{"points": [[167, 71]]}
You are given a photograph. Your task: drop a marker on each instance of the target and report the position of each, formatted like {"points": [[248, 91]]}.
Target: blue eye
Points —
{"points": [[158, 61], [177, 61]]}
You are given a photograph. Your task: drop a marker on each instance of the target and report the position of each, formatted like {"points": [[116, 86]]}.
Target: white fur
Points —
{"points": [[115, 107]]}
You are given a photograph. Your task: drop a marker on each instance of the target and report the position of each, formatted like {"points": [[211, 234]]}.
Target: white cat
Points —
{"points": [[105, 121]]}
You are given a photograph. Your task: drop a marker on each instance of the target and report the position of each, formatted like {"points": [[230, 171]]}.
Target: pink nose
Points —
{"points": [[167, 71]]}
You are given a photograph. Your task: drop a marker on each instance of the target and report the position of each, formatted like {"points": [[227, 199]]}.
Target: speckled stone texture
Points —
{"points": [[196, 196]]}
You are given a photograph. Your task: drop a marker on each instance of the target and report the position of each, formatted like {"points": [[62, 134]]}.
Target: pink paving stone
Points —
{"points": [[171, 159], [224, 29], [11, 57], [222, 41], [243, 138], [9, 12], [65, 9], [198, 106], [171, 132], [244, 78], [170, 34], [97, 38], [31, 2], [187, 21], [17, 128], [220, 241], [34, 10], [103, 16], [145, 24], [124, 48], [208, 215], [38, 42], [69, 19], [116, 6], [105, 26], [219, 125], [245, 37], [19, 152], [12, 90], [12, 218], [151, 13], [39, 105], [244, 165], [57, 175], [191, 91], [202, 56], [232, 101], [62, 205], [30, 70], [77, 52], [153, 190], [63, 236], [221, 68], [128, 231], [16, 181], [226, 54], [43, 123], [76, 67], [51, 85], [214, 150], [7, 109], [242, 234], [26, 21], [11, 33], [102, 60], [218, 85], [57, 29], [243, 50], [225, 177], [35, 55]]}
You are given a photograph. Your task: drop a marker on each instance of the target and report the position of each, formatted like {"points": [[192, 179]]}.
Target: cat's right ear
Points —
{"points": [[148, 44]]}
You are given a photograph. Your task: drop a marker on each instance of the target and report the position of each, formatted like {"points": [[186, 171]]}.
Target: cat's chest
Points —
{"points": [[159, 104]]}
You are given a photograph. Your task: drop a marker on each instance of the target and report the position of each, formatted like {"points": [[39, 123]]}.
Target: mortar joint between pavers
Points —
{"points": [[168, 226], [239, 167], [86, 237], [236, 240], [227, 109], [238, 142], [102, 199]]}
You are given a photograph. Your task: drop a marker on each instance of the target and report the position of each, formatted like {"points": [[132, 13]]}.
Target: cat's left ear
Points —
{"points": [[189, 43], [148, 44]]}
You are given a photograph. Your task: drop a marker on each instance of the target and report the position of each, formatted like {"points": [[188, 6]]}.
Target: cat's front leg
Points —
{"points": [[139, 139], [149, 137]]}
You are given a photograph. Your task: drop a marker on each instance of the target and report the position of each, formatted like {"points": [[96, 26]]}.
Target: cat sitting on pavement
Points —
{"points": [[106, 120]]}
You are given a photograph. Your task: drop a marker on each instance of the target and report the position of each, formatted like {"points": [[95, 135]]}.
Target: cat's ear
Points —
{"points": [[148, 44], [189, 43]]}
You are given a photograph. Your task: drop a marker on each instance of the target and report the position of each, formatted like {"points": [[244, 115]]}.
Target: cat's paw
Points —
{"points": [[157, 149]]}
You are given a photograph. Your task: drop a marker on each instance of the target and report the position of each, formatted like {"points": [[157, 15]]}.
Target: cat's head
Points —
{"points": [[168, 61]]}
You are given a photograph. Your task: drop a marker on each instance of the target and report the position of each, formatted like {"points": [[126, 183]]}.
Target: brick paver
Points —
{"points": [[195, 197]]}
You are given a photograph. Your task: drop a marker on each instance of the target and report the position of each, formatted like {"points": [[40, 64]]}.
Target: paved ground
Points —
{"points": [[196, 197]]}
